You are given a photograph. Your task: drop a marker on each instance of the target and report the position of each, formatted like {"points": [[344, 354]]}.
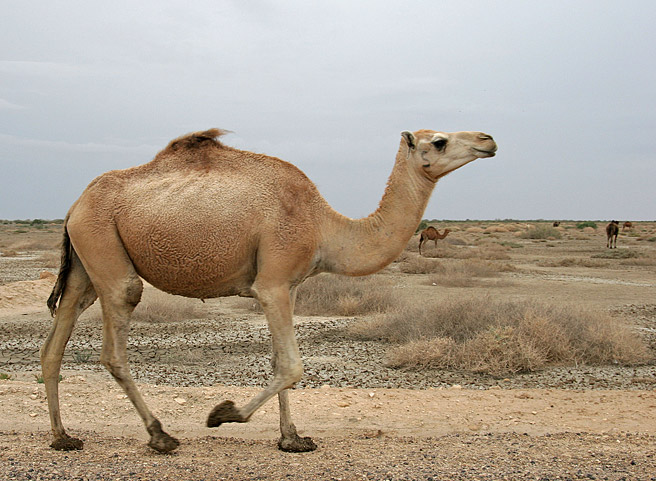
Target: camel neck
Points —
{"points": [[363, 246]]}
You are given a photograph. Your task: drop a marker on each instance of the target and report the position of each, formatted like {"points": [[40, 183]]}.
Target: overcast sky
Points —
{"points": [[567, 88]]}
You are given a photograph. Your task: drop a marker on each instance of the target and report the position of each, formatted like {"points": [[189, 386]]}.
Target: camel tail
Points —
{"points": [[64, 269]]}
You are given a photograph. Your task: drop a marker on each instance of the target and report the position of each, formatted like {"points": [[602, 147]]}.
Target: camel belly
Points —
{"points": [[192, 262]]}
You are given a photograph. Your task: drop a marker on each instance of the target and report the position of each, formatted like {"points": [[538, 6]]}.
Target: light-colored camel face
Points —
{"points": [[436, 154]]}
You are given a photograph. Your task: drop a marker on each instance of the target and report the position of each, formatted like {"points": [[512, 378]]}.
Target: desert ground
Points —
{"points": [[369, 420]]}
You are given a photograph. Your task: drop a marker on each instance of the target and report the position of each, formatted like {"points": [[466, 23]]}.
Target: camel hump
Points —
{"points": [[195, 140]]}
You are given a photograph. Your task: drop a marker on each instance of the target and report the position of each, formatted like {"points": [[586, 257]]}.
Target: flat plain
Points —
{"points": [[370, 420]]}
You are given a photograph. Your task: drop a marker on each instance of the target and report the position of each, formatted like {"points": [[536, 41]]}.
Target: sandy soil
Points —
{"points": [[492, 429]]}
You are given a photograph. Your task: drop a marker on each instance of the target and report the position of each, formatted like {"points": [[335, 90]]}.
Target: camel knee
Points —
{"points": [[133, 291], [117, 367]]}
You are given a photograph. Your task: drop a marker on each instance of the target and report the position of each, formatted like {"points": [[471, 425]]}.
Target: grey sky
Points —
{"points": [[568, 90]]}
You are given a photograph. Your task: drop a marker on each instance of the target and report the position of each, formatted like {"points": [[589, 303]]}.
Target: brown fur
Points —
{"points": [[612, 229], [431, 233], [627, 225]]}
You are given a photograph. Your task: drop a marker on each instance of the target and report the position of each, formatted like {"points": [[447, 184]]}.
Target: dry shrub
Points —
{"points": [[641, 261], [474, 230], [419, 265], [50, 259], [488, 251], [45, 243], [158, 306], [572, 262], [501, 338], [616, 254], [9, 253], [495, 228], [589, 230], [542, 232], [463, 273], [329, 294]]}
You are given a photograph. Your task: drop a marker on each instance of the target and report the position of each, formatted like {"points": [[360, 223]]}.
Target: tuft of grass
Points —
{"points": [[39, 378], [82, 356], [501, 338], [541, 232], [4, 376]]}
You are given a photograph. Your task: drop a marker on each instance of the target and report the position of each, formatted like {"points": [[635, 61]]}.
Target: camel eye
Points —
{"points": [[439, 144]]}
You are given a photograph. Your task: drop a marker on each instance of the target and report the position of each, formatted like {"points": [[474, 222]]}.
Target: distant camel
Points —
{"points": [[612, 230], [627, 225], [556, 224], [431, 233], [206, 220]]}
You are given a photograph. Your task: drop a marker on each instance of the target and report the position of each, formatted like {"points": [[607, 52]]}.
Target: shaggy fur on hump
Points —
{"points": [[196, 139]]}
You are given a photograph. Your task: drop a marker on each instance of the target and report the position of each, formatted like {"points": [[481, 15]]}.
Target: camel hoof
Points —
{"points": [[296, 444], [67, 443], [159, 440], [226, 412], [163, 443]]}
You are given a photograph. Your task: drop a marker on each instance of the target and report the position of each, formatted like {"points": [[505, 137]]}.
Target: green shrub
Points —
{"points": [[422, 225], [587, 223]]}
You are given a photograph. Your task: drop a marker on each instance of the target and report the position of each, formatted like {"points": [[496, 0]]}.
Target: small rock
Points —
{"points": [[181, 401]]}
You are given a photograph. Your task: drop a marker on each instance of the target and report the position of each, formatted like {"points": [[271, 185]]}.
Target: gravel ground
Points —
{"points": [[237, 353]]}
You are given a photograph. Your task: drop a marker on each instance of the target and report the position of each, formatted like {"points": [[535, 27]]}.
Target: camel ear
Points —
{"points": [[409, 139]]}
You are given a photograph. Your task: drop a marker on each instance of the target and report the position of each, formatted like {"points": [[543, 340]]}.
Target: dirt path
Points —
{"points": [[362, 434]]}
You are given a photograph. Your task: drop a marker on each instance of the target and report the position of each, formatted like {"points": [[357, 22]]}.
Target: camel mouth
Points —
{"points": [[482, 153]]}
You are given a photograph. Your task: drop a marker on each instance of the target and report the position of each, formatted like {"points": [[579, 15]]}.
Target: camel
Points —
{"points": [[205, 220], [431, 233], [612, 229], [627, 225], [556, 223]]}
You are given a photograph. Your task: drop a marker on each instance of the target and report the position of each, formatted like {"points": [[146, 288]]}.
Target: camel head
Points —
{"points": [[435, 154]]}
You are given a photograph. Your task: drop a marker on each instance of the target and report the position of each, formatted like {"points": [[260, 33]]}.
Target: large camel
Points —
{"points": [[205, 220], [431, 233]]}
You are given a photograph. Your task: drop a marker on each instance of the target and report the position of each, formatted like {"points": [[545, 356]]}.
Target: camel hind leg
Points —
{"points": [[78, 295], [119, 289]]}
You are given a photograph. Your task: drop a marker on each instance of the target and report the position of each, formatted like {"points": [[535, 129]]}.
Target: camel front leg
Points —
{"points": [[288, 369], [289, 440], [114, 358]]}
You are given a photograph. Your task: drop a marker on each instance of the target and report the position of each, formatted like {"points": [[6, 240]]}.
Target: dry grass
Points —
{"points": [[541, 232], [50, 259], [328, 294], [616, 254], [158, 306], [572, 262], [501, 338], [414, 264], [333, 295], [489, 251], [466, 273]]}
